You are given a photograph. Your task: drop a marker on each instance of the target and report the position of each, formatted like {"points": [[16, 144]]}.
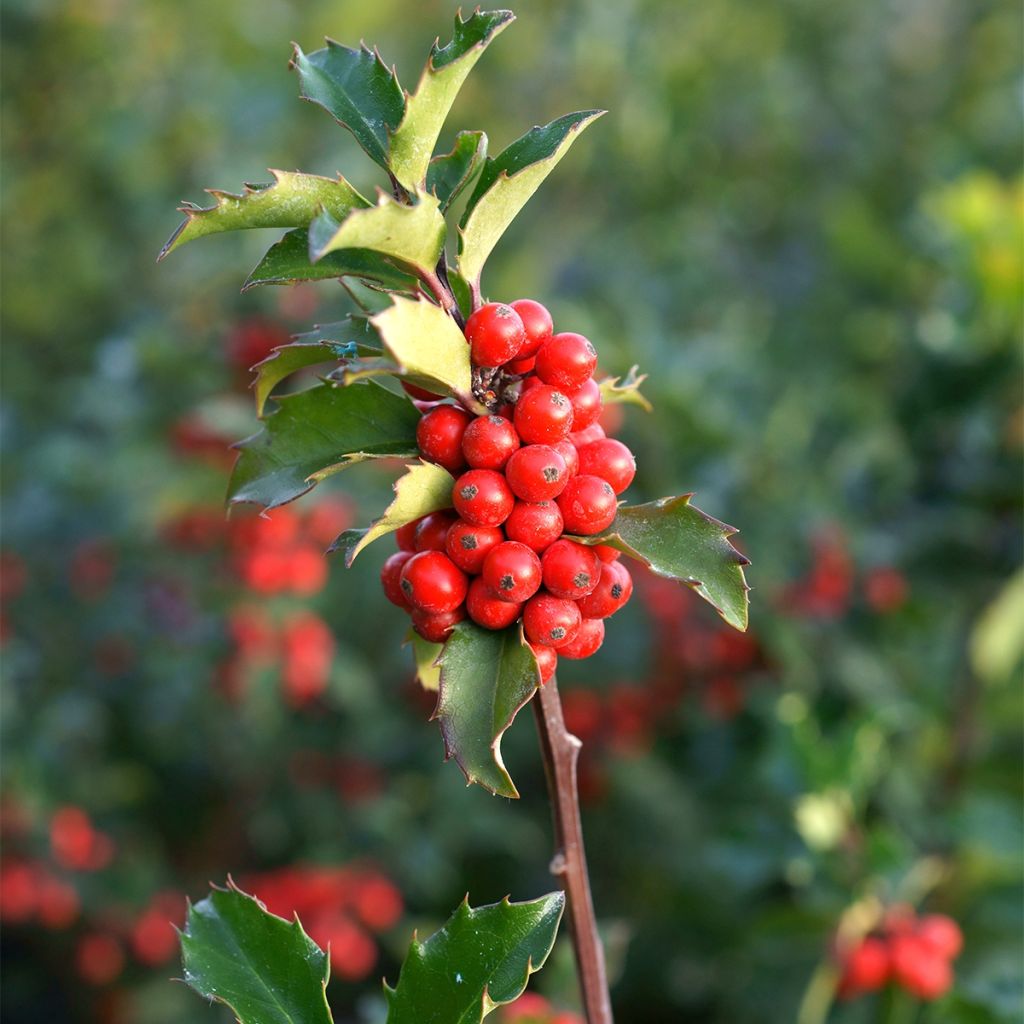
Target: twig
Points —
{"points": [[569, 865]]}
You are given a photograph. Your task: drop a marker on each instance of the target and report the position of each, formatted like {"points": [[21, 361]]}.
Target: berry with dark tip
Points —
{"points": [[467, 545], [483, 497], [512, 572], [570, 570], [566, 361], [439, 436], [433, 583], [495, 333], [551, 621], [536, 473], [543, 415]]}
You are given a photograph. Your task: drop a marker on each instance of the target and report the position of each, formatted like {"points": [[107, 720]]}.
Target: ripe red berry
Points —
{"points": [[551, 621], [390, 575], [613, 590], [432, 530], [572, 457], [570, 570], [467, 545], [405, 536], [942, 934], [482, 497], [536, 473], [521, 366], [487, 610], [433, 583], [489, 441], [588, 505], [436, 627], [547, 661], [918, 968], [586, 642], [609, 459], [439, 436], [595, 432], [865, 968], [586, 405], [537, 324], [420, 394], [495, 333], [512, 571], [566, 361], [535, 524], [543, 415], [607, 553]]}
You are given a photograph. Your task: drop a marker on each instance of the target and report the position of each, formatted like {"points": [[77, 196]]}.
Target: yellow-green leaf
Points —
{"points": [[617, 390]]}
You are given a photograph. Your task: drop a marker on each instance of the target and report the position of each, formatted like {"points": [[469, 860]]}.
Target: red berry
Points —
{"points": [[586, 405], [588, 505], [543, 415], [482, 497], [570, 570], [537, 324], [512, 571], [432, 530], [535, 524], [487, 610], [609, 459], [613, 590], [405, 536], [918, 968], [390, 579], [942, 934], [551, 621], [529, 383], [595, 432], [566, 361], [489, 441], [495, 333], [586, 642], [433, 583], [547, 661], [607, 553], [421, 394], [467, 545], [439, 436], [521, 366], [536, 473], [865, 968], [572, 457], [436, 627]]}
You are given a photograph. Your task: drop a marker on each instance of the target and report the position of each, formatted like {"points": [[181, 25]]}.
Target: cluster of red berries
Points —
{"points": [[535, 470], [914, 953]]}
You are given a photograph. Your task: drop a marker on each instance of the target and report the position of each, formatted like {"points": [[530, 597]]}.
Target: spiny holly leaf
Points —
{"points": [[291, 200], [357, 89], [422, 489], [413, 236], [283, 362], [425, 653], [265, 969], [616, 390], [355, 334], [287, 262], [678, 540], [427, 345], [427, 108], [479, 960], [486, 677], [507, 182], [449, 174], [318, 432]]}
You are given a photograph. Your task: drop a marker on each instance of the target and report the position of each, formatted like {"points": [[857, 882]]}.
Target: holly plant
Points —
{"points": [[507, 516]]}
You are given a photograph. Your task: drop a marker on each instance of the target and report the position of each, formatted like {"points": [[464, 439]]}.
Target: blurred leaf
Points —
{"points": [[426, 110], [357, 89], [450, 173], [616, 390], [997, 642], [507, 182], [479, 960], [265, 969], [291, 200], [318, 432], [679, 541], [425, 653], [486, 677], [422, 489]]}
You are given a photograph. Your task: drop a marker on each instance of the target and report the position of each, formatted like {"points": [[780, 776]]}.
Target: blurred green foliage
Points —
{"points": [[805, 220]]}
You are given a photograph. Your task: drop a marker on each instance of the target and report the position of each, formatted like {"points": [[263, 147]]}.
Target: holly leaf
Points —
{"points": [[287, 262], [618, 390], [507, 182], [486, 677], [292, 199], [283, 362], [357, 89], [422, 489], [412, 235], [425, 653], [450, 173], [317, 432], [678, 540], [353, 334], [427, 108], [479, 960], [264, 969]]}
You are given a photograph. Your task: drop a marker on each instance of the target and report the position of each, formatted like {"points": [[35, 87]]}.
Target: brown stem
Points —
{"points": [[569, 865]]}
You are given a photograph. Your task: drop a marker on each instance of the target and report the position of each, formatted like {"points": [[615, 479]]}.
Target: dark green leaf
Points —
{"points": [[285, 361], [292, 199], [449, 174], [265, 969], [355, 334], [507, 182], [486, 677], [427, 108], [679, 541], [318, 432], [357, 89], [479, 960]]}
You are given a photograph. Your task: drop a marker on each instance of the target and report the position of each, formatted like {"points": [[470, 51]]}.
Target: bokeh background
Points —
{"points": [[805, 219]]}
